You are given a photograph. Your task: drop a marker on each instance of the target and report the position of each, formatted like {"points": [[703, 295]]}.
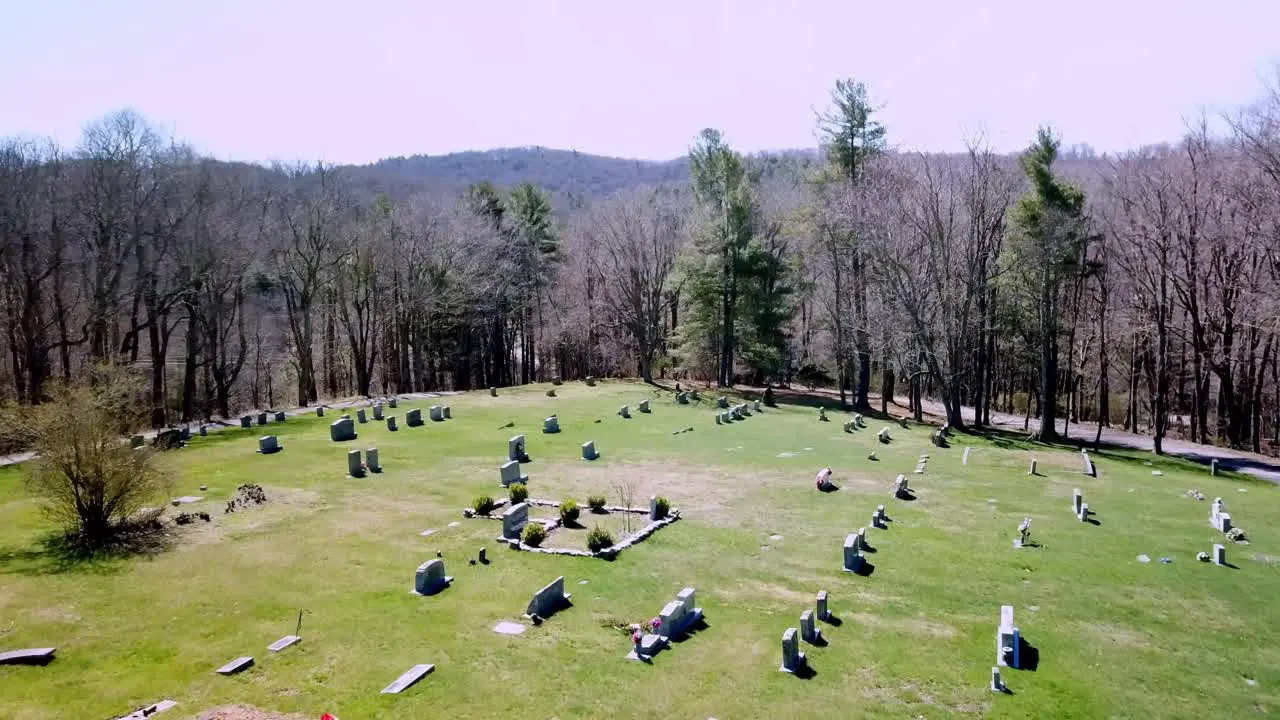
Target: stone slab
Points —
{"points": [[187, 499], [240, 664], [27, 655], [284, 642], [509, 628], [410, 676], [149, 710]]}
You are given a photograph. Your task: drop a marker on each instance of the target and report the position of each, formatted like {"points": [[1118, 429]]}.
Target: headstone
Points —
{"points": [[901, 486], [246, 421], [514, 519], [857, 420], [493, 392], [1008, 640], [371, 459], [821, 609], [185, 433], [550, 598], [391, 423], [551, 392], [792, 658], [137, 441], [861, 537], [430, 578], [653, 507], [808, 630], [262, 418], [448, 413], [484, 556], [320, 412], [756, 406], [852, 556], [354, 467], [883, 435], [235, 666], [555, 380], [1219, 554], [1087, 461], [204, 430], [437, 413], [996, 684], [1224, 522], [965, 460], [643, 406], [722, 402], [268, 444], [822, 414], [551, 425], [1032, 469], [1076, 499], [284, 642], [719, 418], [682, 398], [413, 418], [589, 450], [509, 472], [515, 448], [377, 411], [880, 512], [28, 656], [624, 412], [410, 676], [672, 619], [280, 416], [392, 403], [361, 417], [148, 711], [342, 429], [1083, 515], [1213, 467], [591, 382]]}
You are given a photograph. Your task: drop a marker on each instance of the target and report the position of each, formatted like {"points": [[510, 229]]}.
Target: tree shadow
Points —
{"points": [[57, 553], [1028, 655]]}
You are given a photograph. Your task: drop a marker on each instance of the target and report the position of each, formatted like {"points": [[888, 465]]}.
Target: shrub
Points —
{"points": [[483, 505], [664, 507], [519, 493], [569, 511], [596, 503], [768, 398], [598, 539], [534, 534]]}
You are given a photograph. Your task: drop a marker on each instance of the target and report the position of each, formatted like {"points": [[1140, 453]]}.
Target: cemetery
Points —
{"points": [[887, 595]]}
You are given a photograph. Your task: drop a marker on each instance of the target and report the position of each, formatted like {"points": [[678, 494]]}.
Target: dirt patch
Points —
{"points": [[245, 712], [911, 626], [282, 504]]}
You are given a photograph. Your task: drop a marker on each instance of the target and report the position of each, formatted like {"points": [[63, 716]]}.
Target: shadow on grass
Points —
{"points": [[865, 569], [57, 553], [805, 671], [819, 641], [1028, 656], [1093, 521], [692, 630], [907, 496], [833, 621], [829, 487]]}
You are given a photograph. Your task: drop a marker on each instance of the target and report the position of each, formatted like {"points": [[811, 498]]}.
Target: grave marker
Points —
{"points": [[268, 444], [392, 403], [28, 656], [1219, 555], [509, 472], [965, 459], [342, 429], [551, 425], [1032, 470], [262, 418], [371, 459], [823, 613], [238, 665], [549, 599], [1083, 515], [852, 556], [410, 676], [624, 412], [493, 392], [515, 447], [1213, 467], [391, 423], [996, 684], [883, 435], [204, 430], [246, 421], [413, 418], [1076, 498], [643, 406], [283, 643], [591, 382], [354, 467], [808, 631], [1008, 640], [437, 413], [589, 450], [430, 578], [792, 658], [377, 411], [320, 412], [280, 416], [514, 519]]}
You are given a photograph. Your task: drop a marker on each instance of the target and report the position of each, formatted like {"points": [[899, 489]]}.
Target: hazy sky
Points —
{"points": [[356, 80]]}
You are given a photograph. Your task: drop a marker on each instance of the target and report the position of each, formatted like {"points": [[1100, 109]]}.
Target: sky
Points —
{"points": [[354, 81]]}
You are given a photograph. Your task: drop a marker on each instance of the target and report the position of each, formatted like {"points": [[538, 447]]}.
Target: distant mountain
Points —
{"points": [[563, 172]]}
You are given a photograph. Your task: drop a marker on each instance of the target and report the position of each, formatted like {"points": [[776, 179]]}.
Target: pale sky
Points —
{"points": [[358, 80]]}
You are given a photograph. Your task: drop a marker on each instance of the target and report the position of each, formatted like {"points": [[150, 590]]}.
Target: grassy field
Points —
{"points": [[1115, 637]]}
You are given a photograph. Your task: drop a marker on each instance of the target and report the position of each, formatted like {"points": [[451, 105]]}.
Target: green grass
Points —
{"points": [[1116, 638]]}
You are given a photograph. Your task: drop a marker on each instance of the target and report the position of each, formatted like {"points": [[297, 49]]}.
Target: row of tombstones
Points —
{"points": [[344, 428], [792, 658], [516, 517]]}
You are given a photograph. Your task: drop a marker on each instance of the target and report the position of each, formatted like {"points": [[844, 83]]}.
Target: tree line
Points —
{"points": [[1134, 289]]}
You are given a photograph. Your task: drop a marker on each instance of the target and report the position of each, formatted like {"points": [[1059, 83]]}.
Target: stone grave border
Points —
{"points": [[608, 553]]}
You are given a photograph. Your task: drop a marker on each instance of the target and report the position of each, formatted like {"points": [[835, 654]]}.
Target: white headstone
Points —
{"points": [[515, 448], [1219, 554], [514, 519], [965, 460]]}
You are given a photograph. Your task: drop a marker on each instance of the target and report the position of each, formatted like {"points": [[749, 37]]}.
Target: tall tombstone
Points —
{"points": [[262, 418], [1220, 555], [413, 418], [965, 460], [1083, 515], [1213, 467], [392, 403], [1008, 640], [792, 658], [1032, 469], [852, 556], [493, 392], [515, 448], [589, 450], [808, 630], [377, 411], [280, 416], [996, 684], [246, 421], [653, 507], [361, 417], [862, 539], [320, 411], [448, 413], [391, 423], [1077, 498], [354, 467], [371, 458], [430, 578], [821, 609]]}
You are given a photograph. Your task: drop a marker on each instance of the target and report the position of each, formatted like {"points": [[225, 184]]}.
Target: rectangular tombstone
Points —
{"points": [[852, 556], [371, 458], [1008, 639], [320, 412], [437, 413], [246, 421], [643, 406], [413, 418], [262, 418], [377, 411], [1224, 522], [687, 597], [509, 472], [1083, 515], [268, 444], [392, 403], [996, 684], [204, 430], [1076, 499], [448, 414], [342, 429], [430, 578], [514, 519], [28, 656], [672, 617], [792, 658], [549, 599], [515, 448], [965, 460], [1219, 554], [1032, 469], [682, 398], [862, 539], [589, 450], [900, 485], [235, 666], [624, 412], [280, 416], [410, 676], [493, 392], [284, 642], [719, 418], [1213, 467], [361, 417], [880, 512], [354, 467], [821, 608], [185, 433], [808, 630], [391, 423], [551, 425]]}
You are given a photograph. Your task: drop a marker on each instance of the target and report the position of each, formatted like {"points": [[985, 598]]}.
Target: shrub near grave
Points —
{"points": [[534, 534], [596, 503], [519, 493], [569, 511], [483, 505], [663, 507], [598, 539]]}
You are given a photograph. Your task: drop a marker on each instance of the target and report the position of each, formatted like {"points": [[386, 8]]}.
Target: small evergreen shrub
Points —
{"points": [[664, 507], [483, 505], [534, 534], [596, 503], [598, 539], [569, 511], [519, 493]]}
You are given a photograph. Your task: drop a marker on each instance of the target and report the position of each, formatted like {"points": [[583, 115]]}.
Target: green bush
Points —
{"points": [[598, 539], [569, 511], [664, 506], [534, 534], [483, 505], [519, 493], [768, 398], [596, 503]]}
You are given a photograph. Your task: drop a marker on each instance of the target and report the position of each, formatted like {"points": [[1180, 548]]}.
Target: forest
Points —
{"points": [[1136, 289]]}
